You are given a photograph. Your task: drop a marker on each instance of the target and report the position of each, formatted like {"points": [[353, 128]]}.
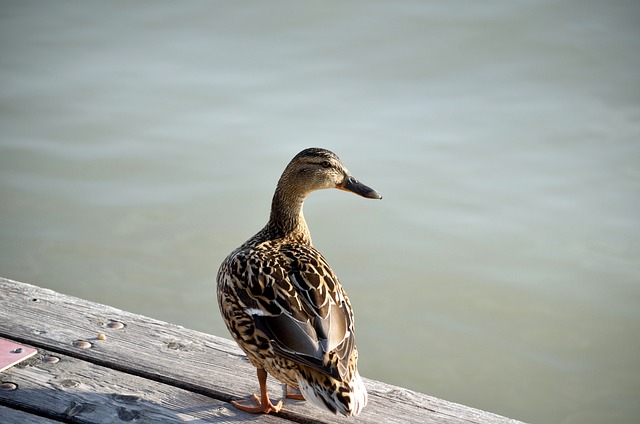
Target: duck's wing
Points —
{"points": [[296, 300]]}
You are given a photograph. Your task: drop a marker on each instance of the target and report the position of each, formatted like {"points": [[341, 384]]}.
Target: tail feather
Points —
{"points": [[344, 398]]}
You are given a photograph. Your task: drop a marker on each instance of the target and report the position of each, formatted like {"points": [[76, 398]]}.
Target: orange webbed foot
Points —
{"points": [[261, 404], [258, 406]]}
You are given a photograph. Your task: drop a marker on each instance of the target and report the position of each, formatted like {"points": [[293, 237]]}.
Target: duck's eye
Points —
{"points": [[326, 164]]}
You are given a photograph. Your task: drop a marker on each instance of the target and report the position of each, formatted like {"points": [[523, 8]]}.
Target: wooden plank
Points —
{"points": [[189, 359], [70, 389], [9, 415]]}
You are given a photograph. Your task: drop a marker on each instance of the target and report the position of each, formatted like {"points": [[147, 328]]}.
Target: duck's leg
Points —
{"points": [[262, 402], [292, 393]]}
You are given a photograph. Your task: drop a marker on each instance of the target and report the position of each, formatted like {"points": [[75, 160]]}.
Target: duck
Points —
{"points": [[283, 304]]}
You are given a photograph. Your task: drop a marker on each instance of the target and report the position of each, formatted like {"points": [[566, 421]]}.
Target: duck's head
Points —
{"points": [[317, 169]]}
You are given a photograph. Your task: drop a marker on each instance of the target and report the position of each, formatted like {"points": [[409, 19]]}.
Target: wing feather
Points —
{"points": [[295, 299]]}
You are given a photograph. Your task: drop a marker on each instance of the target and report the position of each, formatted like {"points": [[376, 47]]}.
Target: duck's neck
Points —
{"points": [[286, 220]]}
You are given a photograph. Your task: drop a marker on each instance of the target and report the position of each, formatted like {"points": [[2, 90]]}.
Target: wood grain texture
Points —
{"points": [[75, 390], [186, 359], [10, 415]]}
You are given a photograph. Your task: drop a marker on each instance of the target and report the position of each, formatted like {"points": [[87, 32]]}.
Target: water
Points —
{"points": [[141, 143]]}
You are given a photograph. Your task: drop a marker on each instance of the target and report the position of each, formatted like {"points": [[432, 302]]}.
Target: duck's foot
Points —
{"points": [[258, 406], [261, 404], [293, 393]]}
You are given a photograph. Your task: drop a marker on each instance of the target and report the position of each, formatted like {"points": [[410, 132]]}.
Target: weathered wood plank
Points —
{"points": [[189, 359], [9, 415], [75, 390]]}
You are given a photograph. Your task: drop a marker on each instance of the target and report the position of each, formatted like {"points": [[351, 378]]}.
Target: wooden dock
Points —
{"points": [[98, 364]]}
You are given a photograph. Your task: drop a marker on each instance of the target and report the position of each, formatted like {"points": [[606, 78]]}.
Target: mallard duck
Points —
{"points": [[283, 304]]}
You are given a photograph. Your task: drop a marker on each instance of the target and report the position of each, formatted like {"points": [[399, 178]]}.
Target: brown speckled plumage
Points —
{"points": [[284, 305]]}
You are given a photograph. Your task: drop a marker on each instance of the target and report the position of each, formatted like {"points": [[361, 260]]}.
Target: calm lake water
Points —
{"points": [[140, 143]]}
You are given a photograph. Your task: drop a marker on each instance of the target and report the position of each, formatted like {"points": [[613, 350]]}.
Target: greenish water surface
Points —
{"points": [[140, 142]]}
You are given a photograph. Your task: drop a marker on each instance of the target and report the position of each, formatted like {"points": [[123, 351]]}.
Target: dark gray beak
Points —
{"points": [[355, 186]]}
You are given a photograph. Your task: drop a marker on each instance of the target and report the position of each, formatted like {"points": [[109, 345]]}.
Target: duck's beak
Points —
{"points": [[355, 186]]}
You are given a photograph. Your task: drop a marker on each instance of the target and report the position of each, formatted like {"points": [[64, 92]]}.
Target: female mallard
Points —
{"points": [[284, 305]]}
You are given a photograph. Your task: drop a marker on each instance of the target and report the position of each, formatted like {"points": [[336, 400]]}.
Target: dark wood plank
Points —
{"points": [[70, 389], [188, 359], [9, 415]]}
